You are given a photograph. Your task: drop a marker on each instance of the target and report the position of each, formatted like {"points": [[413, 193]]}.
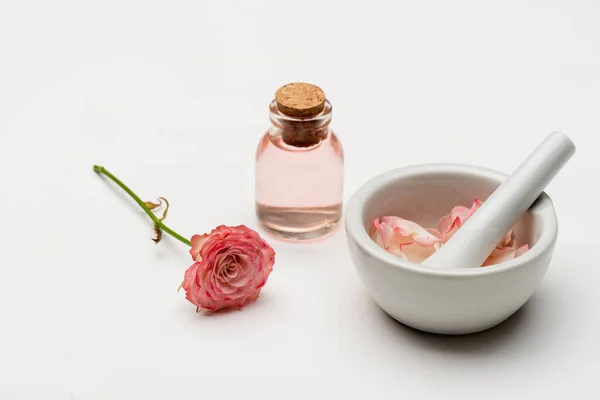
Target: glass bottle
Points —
{"points": [[299, 166]]}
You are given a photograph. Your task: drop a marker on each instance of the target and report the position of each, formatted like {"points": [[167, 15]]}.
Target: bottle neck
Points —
{"points": [[300, 132]]}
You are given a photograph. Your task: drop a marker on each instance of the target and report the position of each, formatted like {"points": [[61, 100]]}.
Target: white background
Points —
{"points": [[172, 97]]}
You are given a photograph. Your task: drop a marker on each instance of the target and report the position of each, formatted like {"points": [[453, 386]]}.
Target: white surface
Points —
{"points": [[173, 98]]}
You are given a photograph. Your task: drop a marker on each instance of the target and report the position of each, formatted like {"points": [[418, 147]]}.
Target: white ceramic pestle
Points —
{"points": [[476, 239]]}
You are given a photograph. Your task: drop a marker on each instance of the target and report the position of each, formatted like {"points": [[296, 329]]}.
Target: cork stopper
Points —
{"points": [[300, 99]]}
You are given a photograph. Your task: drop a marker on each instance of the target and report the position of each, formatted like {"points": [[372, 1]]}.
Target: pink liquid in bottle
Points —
{"points": [[299, 176]]}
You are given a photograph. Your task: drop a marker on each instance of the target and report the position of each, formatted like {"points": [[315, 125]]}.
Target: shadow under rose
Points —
{"points": [[264, 301]]}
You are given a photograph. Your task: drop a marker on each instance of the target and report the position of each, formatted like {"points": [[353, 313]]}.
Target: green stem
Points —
{"points": [[102, 170]]}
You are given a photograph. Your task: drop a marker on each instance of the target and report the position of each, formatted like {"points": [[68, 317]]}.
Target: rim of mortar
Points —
{"points": [[543, 208]]}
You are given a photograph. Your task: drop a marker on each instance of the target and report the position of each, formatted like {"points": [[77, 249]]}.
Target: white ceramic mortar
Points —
{"points": [[447, 301]]}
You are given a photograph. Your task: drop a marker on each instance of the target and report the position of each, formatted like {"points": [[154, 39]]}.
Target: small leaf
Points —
{"points": [[158, 233], [151, 205], [166, 208]]}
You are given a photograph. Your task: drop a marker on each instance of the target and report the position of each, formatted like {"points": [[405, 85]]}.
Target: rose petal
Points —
{"points": [[521, 250], [225, 287], [231, 273], [190, 283], [404, 238], [375, 233], [500, 255], [386, 230], [411, 229], [449, 224], [444, 224], [389, 238], [417, 253], [461, 213], [197, 242], [451, 231], [437, 234], [244, 276], [398, 253], [506, 240], [434, 232]]}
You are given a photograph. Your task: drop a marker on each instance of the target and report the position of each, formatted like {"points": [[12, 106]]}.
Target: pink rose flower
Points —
{"points": [[231, 266], [410, 241]]}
